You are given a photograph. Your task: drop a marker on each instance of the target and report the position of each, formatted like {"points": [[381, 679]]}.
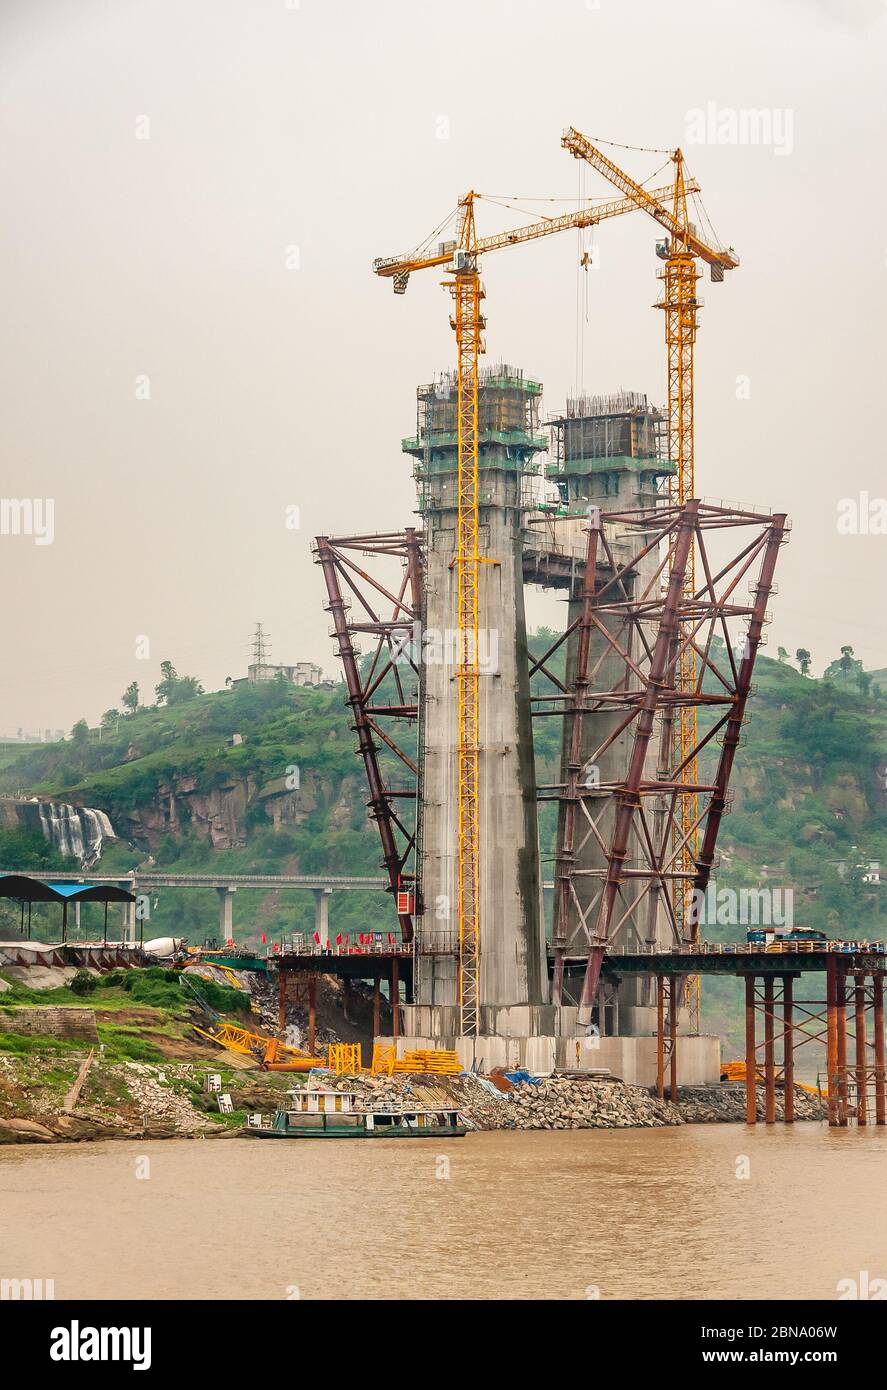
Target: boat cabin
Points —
{"points": [[391, 1120], [320, 1102]]}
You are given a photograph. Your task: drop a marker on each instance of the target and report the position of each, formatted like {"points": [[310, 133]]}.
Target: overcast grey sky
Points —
{"points": [[347, 130]]}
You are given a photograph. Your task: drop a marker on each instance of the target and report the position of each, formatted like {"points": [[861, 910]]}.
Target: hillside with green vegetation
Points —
{"points": [[228, 763], [264, 779]]}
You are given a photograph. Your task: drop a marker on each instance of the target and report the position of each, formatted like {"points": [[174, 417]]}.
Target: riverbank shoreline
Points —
{"points": [[133, 1100]]}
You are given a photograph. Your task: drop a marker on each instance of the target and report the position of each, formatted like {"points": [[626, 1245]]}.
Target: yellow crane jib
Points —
{"points": [[399, 268]]}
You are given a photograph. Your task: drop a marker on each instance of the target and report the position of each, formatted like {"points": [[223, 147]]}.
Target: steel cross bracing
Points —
{"points": [[644, 635], [383, 670], [853, 1010]]}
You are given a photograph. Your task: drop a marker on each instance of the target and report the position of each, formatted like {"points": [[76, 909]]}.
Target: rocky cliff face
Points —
{"points": [[222, 814]]}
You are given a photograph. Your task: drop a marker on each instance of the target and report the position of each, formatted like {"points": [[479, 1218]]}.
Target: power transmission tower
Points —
{"points": [[261, 647]]}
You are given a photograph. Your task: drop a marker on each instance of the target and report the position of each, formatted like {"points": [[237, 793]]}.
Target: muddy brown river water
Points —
{"points": [[620, 1214]]}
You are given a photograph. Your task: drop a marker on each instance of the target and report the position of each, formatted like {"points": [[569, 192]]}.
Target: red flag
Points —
{"points": [[339, 939], [391, 938], [317, 938], [264, 937]]}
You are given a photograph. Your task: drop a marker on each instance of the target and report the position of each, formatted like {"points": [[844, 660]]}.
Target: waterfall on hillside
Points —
{"points": [[75, 830]]}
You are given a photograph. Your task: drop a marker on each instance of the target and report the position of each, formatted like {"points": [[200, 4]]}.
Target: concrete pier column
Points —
{"points": [[128, 926], [607, 459], [226, 913], [322, 914], [512, 964]]}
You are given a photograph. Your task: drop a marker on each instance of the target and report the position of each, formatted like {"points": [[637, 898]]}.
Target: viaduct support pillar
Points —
{"points": [[226, 913], [322, 914]]}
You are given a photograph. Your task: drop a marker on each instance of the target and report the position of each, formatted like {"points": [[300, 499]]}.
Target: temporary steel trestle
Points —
{"points": [[643, 636], [856, 1089], [392, 651]]}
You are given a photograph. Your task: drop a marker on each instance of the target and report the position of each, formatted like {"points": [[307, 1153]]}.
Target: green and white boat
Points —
{"points": [[322, 1114]]}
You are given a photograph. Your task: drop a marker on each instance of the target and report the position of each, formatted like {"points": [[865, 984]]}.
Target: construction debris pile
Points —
{"points": [[159, 1103], [557, 1102], [561, 1101], [726, 1104]]}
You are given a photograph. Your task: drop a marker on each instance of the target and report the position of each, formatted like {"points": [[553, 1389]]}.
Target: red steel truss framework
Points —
{"points": [[856, 1089], [645, 636], [387, 617], [649, 631]]}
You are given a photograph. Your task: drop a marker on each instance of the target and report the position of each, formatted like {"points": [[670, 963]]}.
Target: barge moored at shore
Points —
{"points": [[320, 1114]]}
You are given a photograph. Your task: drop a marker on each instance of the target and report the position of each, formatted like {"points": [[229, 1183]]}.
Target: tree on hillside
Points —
{"points": [[80, 731], [130, 697], [843, 666], [782, 655], [172, 688], [168, 678], [803, 658], [185, 688], [110, 718], [864, 681]]}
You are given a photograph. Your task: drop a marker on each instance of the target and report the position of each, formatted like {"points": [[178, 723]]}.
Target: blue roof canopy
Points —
{"points": [[35, 890]]}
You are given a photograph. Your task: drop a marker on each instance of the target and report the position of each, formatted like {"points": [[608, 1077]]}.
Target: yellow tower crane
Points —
{"points": [[460, 261], [680, 303]]}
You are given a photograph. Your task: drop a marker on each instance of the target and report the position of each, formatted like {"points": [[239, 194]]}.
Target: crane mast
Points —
{"points": [[468, 324], [680, 305]]}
